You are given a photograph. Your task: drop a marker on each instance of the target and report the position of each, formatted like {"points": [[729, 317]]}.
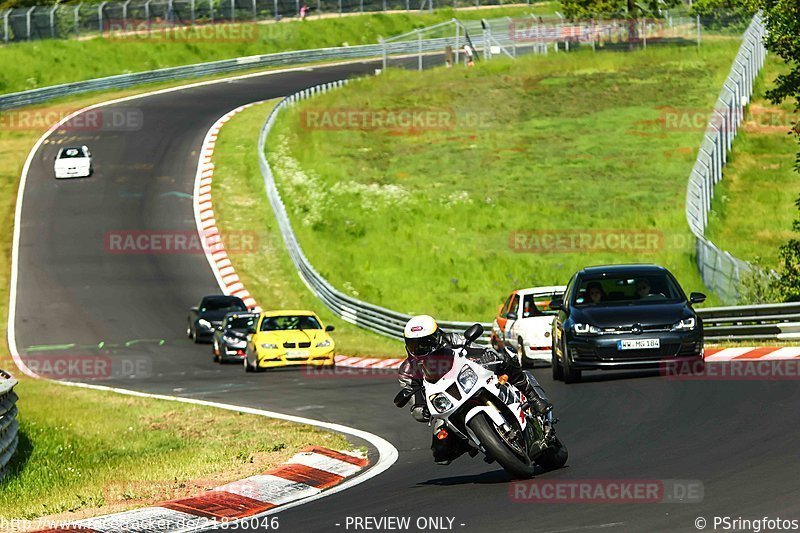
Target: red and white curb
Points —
{"points": [[367, 362], [764, 353], [214, 248], [308, 473]]}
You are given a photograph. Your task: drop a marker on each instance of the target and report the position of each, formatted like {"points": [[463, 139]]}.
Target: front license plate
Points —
{"points": [[296, 353], [638, 344]]}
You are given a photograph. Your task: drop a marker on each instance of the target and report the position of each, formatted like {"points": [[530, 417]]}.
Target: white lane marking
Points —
{"points": [[323, 462], [271, 489]]}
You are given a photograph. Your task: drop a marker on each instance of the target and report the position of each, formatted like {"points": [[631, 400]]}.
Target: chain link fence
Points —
{"points": [[8, 420], [722, 272], [114, 19]]}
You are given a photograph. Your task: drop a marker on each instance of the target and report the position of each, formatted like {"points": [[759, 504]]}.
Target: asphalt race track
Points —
{"points": [[738, 438]]}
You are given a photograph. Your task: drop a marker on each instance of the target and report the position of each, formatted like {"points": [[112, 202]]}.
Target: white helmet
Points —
{"points": [[422, 336]]}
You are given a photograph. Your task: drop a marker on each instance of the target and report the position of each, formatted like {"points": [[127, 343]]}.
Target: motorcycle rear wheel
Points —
{"points": [[488, 435]]}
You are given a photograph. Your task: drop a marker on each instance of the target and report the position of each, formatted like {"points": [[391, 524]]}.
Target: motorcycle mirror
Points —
{"points": [[473, 333], [403, 397]]}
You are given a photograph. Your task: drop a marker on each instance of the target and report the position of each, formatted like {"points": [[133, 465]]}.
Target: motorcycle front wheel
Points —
{"points": [[488, 435]]}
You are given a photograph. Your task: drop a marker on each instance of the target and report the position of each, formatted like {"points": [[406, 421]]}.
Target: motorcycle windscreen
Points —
{"points": [[437, 364]]}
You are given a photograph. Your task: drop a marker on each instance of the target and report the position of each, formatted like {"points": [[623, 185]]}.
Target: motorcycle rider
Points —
{"points": [[428, 347]]}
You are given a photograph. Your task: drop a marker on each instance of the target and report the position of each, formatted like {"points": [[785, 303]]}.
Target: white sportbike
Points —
{"points": [[489, 413]]}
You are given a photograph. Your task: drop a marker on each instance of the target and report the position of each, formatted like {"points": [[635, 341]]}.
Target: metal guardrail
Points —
{"points": [[8, 420], [295, 57], [757, 322], [722, 272], [752, 322]]}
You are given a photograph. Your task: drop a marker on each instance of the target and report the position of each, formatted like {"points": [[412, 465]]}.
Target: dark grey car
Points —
{"points": [[623, 317]]}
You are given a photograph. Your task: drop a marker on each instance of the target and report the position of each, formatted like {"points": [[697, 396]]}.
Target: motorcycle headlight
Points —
{"points": [[324, 344], [269, 346], [204, 323], [441, 403], [686, 324], [467, 378], [586, 329]]}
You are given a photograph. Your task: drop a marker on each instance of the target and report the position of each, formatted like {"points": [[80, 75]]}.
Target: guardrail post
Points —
{"points": [[147, 15], [419, 48], [191, 12], [383, 52], [76, 15], [698, 31], [211, 10], [255, 11], [100, 16], [233, 10], [458, 35], [125, 15], [340, 8], [361, 5], [28, 21], [53, 21], [319, 8], [5, 25], [275, 8]]}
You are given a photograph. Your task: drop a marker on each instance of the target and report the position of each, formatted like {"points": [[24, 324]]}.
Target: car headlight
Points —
{"points": [[467, 378], [204, 323], [269, 346], [324, 344], [441, 403], [685, 324], [586, 329]]}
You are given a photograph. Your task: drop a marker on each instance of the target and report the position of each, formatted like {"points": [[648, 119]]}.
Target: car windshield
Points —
{"points": [[279, 323], [222, 304], [627, 288], [538, 305], [240, 322], [71, 153]]}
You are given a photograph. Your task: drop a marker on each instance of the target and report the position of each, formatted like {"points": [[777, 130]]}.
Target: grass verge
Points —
{"points": [[103, 452], [544, 147], [240, 206], [30, 65], [753, 206]]}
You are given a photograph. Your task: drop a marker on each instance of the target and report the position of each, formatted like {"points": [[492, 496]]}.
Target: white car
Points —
{"points": [[524, 323], [73, 162]]}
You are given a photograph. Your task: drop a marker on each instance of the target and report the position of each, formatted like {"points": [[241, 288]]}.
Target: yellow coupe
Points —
{"points": [[283, 338]]}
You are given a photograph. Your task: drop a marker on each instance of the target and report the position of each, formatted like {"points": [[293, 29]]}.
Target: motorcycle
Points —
{"points": [[490, 414]]}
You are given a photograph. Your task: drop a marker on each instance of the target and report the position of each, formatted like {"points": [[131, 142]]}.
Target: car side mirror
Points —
{"points": [[556, 304], [194, 309], [403, 397], [697, 297], [473, 333], [512, 315], [329, 328]]}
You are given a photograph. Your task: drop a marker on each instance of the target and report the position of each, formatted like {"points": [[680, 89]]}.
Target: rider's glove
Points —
{"points": [[420, 413]]}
